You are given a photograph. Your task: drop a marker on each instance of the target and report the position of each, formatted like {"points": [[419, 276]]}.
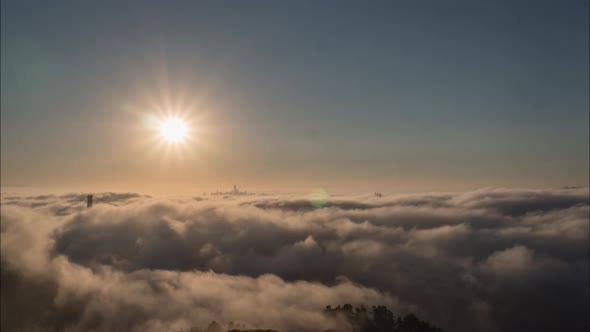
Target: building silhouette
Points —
{"points": [[235, 192]]}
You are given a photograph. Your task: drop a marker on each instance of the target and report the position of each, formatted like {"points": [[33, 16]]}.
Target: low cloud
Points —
{"points": [[487, 260]]}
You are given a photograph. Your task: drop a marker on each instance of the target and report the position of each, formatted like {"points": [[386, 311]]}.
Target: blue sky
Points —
{"points": [[385, 95]]}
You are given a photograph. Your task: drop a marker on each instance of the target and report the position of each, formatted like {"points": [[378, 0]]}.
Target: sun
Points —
{"points": [[173, 130]]}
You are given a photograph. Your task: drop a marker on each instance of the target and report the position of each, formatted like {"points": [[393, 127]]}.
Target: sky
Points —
{"points": [[391, 96]]}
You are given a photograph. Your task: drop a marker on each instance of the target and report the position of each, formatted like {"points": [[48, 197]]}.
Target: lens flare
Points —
{"points": [[319, 197]]}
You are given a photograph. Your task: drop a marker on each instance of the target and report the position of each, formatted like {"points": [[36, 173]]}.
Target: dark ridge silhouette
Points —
{"points": [[235, 330], [378, 319], [214, 327]]}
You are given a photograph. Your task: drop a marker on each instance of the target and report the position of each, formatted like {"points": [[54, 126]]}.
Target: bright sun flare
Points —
{"points": [[173, 129]]}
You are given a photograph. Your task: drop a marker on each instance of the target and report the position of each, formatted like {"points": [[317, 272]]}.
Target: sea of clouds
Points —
{"points": [[485, 260]]}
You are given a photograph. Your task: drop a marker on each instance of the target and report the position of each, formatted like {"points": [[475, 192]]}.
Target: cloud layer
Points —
{"points": [[487, 260]]}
